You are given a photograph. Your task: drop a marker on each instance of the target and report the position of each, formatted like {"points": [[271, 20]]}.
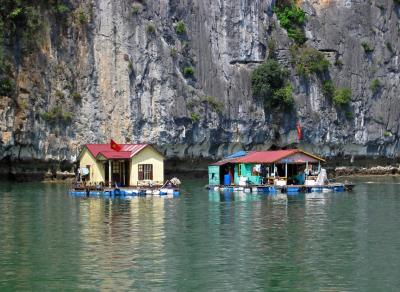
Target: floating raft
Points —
{"points": [[121, 193], [288, 189]]}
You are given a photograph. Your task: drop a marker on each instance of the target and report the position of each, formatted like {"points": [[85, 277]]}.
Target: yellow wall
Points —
{"points": [[148, 156], [96, 167]]}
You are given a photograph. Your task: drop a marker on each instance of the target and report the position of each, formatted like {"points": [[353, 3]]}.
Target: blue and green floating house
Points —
{"points": [[260, 168]]}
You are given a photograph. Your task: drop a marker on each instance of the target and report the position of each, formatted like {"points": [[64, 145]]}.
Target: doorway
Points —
{"points": [[119, 172]]}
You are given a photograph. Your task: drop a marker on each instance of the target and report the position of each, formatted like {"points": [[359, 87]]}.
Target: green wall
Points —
{"points": [[213, 175], [245, 170]]}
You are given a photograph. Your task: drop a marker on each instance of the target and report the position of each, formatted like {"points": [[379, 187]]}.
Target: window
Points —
{"points": [[115, 167], [89, 174], [145, 171]]}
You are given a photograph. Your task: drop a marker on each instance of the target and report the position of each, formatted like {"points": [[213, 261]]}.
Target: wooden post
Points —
{"points": [[286, 171], [319, 166], [123, 172], [109, 173], [306, 172]]}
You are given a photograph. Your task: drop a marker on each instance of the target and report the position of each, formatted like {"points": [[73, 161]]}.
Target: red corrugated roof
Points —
{"points": [[127, 150], [264, 156]]}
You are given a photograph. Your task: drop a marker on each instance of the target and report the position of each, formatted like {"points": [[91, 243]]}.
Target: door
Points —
{"points": [[127, 172]]}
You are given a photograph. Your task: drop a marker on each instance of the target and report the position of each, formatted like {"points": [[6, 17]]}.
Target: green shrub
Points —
{"points": [[180, 27], [291, 18], [267, 78], [387, 134], [283, 96], [22, 104], [62, 8], [367, 48], [216, 105], [16, 12], [349, 115], [375, 85], [173, 53], [328, 89], [151, 29], [195, 117], [136, 8], [309, 61], [69, 86], [188, 71], [66, 117], [342, 97], [20, 20], [338, 63], [81, 16], [191, 104], [57, 115], [59, 94], [30, 37], [298, 35], [268, 82], [77, 97], [7, 87]]}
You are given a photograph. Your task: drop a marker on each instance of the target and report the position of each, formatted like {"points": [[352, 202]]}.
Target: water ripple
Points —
{"points": [[201, 241]]}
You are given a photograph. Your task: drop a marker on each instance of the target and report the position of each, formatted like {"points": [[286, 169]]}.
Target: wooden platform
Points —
{"points": [[334, 187]]}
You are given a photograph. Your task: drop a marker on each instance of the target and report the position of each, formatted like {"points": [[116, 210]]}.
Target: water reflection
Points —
{"points": [[122, 242], [200, 242], [240, 196]]}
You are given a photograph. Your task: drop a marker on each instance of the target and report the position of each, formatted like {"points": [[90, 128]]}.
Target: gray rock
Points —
{"points": [[133, 86]]}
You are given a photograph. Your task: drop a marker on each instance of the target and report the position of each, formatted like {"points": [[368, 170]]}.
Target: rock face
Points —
{"points": [[125, 71]]}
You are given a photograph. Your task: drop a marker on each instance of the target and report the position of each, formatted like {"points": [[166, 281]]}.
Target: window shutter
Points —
{"points": [[140, 172]]}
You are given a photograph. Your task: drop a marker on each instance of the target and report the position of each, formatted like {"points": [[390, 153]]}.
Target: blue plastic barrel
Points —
{"points": [[227, 179]]}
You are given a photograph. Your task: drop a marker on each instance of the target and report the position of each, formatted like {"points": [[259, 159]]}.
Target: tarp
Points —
{"points": [[322, 178], [237, 154]]}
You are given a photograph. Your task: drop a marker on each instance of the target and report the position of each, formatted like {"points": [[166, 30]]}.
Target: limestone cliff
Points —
{"points": [[176, 73]]}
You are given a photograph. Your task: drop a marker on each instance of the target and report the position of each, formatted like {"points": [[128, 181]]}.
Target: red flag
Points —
{"points": [[115, 146], [299, 134]]}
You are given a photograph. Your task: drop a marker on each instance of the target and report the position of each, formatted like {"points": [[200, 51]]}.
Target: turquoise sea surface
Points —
{"points": [[201, 241]]}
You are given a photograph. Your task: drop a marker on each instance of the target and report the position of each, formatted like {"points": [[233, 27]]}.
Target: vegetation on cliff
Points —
{"points": [[291, 18], [20, 25], [342, 97], [269, 83], [306, 61], [309, 61], [57, 115], [21, 31]]}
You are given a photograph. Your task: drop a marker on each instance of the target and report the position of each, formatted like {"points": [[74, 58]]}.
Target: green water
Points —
{"points": [[201, 241]]}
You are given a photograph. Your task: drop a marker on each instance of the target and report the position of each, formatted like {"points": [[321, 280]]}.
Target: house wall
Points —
{"points": [[246, 170], [213, 175], [96, 168], [147, 156]]}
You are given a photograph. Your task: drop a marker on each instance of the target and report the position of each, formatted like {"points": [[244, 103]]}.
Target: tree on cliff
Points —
{"points": [[269, 83]]}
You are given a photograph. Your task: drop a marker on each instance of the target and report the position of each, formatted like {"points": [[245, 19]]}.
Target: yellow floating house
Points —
{"points": [[121, 164]]}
